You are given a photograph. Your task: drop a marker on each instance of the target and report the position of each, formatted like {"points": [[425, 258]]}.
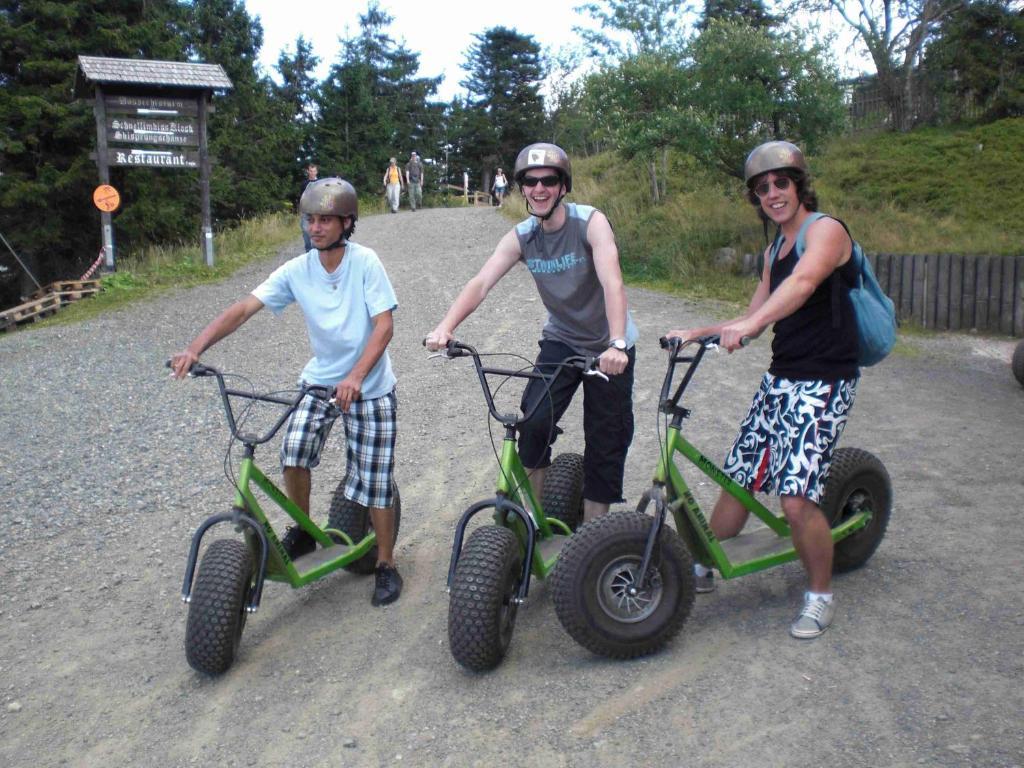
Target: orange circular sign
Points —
{"points": [[106, 198]]}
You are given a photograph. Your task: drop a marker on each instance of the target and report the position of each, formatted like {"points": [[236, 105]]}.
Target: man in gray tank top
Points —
{"points": [[570, 251]]}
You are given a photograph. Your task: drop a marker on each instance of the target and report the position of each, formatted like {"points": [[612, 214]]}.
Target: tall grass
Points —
{"points": [[161, 267], [928, 191]]}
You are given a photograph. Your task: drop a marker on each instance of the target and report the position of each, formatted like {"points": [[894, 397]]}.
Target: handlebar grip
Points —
{"points": [[197, 369]]}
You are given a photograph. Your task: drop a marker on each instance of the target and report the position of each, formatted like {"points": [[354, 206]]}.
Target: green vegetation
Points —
{"points": [[161, 268], [929, 191]]}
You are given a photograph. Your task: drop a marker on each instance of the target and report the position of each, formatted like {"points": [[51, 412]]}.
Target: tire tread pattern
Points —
{"points": [[354, 520], [563, 490], [624, 531], [216, 611], [489, 566], [856, 470]]}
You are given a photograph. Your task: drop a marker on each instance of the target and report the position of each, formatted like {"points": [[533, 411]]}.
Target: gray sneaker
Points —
{"points": [[704, 583], [814, 618]]}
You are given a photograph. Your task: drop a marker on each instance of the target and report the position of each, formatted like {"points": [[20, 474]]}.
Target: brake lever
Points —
{"points": [[595, 372]]}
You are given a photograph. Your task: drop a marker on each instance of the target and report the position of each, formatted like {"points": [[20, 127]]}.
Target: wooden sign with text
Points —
{"points": [[140, 130], [154, 158], [150, 106]]}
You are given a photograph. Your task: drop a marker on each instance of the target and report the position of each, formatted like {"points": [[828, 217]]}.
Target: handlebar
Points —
{"points": [[585, 363], [226, 393], [675, 345]]}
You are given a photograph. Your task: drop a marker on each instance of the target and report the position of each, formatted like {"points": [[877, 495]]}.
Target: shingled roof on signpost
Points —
{"points": [[162, 74]]}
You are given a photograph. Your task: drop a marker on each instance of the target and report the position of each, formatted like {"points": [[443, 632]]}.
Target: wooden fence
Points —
{"points": [[949, 292]]}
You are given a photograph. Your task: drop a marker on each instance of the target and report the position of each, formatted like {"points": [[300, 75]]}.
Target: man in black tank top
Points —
{"points": [[570, 251], [788, 438]]}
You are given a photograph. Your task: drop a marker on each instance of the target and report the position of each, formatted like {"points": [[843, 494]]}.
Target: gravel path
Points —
{"points": [[106, 468]]}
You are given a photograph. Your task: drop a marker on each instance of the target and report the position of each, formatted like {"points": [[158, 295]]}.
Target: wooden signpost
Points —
{"points": [[150, 114]]}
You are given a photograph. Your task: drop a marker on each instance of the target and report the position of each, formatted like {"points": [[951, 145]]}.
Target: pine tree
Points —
{"points": [[46, 174], [505, 110]]}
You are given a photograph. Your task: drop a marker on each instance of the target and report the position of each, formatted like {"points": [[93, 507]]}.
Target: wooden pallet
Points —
{"points": [[30, 311], [69, 290]]}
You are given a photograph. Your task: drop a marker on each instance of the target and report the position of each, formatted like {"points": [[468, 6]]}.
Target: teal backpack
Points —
{"points": [[874, 312]]}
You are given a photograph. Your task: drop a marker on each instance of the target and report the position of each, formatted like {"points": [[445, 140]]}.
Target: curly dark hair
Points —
{"points": [[804, 191]]}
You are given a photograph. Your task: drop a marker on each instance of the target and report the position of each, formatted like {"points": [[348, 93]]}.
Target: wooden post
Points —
{"points": [[1018, 304], [102, 161], [206, 236]]}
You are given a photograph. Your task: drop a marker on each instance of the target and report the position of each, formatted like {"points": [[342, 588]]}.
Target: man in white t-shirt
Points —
{"points": [[347, 301]]}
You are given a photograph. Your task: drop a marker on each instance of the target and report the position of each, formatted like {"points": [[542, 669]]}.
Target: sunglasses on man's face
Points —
{"points": [[548, 181], [781, 183]]}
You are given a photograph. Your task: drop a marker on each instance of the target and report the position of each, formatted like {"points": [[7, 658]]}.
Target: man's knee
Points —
{"points": [[799, 511]]}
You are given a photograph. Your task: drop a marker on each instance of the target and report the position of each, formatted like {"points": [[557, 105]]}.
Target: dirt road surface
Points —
{"points": [[106, 467]]}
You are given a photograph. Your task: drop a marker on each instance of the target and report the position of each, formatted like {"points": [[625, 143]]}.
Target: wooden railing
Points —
{"points": [[949, 292]]}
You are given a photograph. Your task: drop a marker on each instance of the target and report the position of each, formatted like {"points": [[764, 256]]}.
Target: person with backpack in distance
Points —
{"points": [[786, 443]]}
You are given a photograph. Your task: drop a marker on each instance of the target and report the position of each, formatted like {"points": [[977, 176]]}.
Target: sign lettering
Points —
{"points": [[138, 130], [154, 158], [150, 105]]}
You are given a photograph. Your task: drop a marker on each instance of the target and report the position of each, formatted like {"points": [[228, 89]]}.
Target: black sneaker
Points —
{"points": [[388, 585], [297, 542]]}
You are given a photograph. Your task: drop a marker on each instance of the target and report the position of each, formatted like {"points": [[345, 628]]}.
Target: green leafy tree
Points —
{"points": [[978, 56], [504, 110], [750, 86], [642, 107], [372, 107], [753, 12], [252, 138], [46, 134], [298, 91], [648, 26], [895, 33]]}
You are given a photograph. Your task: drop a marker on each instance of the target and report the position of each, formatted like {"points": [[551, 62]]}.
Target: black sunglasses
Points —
{"points": [[781, 183], [548, 181]]}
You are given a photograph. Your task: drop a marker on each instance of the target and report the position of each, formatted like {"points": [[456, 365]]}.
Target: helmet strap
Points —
{"points": [[549, 214], [342, 241]]}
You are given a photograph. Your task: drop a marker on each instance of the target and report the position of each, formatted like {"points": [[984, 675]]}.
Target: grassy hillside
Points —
{"points": [[929, 191]]}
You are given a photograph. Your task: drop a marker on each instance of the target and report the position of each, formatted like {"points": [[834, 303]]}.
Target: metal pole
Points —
{"points": [[27, 270], [204, 181], [102, 161]]}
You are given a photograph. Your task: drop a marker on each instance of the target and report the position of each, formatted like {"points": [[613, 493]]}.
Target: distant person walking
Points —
{"points": [[414, 181], [393, 184], [500, 186], [312, 170]]}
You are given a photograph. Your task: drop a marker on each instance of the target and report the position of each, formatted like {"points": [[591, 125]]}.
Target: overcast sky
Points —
{"points": [[441, 32]]}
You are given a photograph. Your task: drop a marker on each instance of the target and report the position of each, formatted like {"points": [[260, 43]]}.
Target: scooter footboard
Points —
{"points": [[502, 506], [239, 518]]}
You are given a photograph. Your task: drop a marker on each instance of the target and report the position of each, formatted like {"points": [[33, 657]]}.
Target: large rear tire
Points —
{"points": [[857, 480], [482, 606], [354, 520], [563, 490], [1018, 362], [217, 610], [599, 597]]}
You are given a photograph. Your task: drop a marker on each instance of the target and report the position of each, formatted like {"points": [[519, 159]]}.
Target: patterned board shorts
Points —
{"points": [[786, 442], [370, 432]]}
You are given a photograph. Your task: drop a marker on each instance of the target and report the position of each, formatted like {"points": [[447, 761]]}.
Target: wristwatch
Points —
{"points": [[619, 344]]}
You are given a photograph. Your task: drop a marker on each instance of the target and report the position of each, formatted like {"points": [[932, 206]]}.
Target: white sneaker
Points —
{"points": [[814, 618]]}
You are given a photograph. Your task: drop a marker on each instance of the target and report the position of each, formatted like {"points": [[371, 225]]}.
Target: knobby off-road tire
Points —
{"points": [[563, 490], [857, 480], [1018, 362], [597, 568], [216, 613], [482, 607], [354, 520]]}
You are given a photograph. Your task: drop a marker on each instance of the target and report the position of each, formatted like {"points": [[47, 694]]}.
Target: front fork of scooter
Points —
{"points": [[656, 494]]}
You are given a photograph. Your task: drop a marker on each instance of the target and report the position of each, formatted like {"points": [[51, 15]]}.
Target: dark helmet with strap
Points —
{"points": [[331, 197], [773, 156], [544, 155]]}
